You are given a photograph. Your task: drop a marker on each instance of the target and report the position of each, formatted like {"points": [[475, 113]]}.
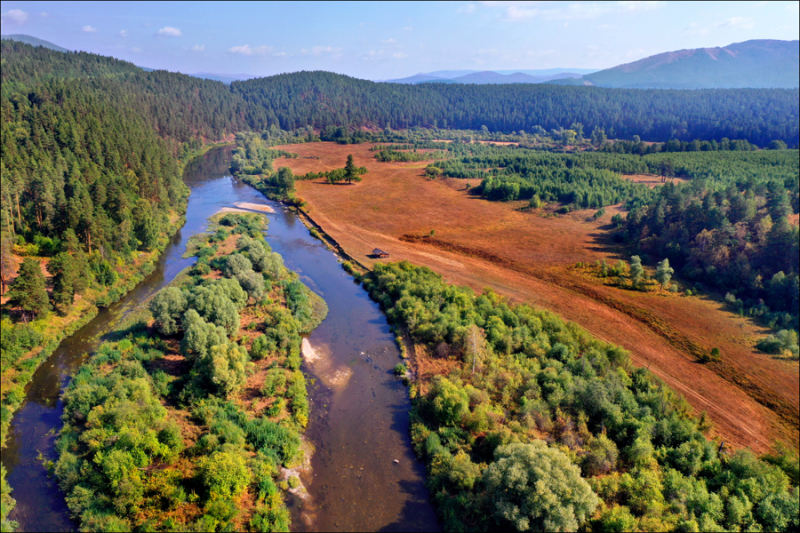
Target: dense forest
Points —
{"points": [[539, 426], [131, 458], [322, 99], [92, 154]]}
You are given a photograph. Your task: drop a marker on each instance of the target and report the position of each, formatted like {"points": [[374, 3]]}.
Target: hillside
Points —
{"points": [[34, 41], [751, 64]]}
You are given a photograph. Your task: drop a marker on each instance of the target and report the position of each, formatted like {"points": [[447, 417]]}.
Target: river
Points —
{"points": [[364, 474]]}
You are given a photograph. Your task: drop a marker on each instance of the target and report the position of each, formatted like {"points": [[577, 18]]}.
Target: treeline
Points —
{"points": [[156, 434], [539, 426], [322, 99], [583, 180], [398, 155], [636, 146]]}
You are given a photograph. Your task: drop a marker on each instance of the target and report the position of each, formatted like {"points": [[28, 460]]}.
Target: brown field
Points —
{"points": [[751, 397]]}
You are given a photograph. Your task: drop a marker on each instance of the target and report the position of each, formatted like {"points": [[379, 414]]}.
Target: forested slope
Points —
{"points": [[323, 98]]}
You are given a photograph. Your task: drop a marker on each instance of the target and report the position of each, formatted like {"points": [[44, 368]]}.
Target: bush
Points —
{"points": [[224, 475], [535, 487]]}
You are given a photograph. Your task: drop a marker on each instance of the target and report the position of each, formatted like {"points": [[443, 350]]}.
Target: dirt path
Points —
{"points": [[752, 398]]}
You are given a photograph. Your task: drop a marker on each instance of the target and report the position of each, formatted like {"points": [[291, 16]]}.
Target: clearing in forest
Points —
{"points": [[528, 255]]}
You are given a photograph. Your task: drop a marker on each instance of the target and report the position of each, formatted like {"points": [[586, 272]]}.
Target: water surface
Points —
{"points": [[359, 411]]}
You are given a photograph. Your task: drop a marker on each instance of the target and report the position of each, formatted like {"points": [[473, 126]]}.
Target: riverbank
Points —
{"points": [[53, 329], [257, 401]]}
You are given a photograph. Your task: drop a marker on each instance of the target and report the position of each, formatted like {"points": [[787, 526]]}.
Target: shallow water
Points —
{"points": [[359, 410]]}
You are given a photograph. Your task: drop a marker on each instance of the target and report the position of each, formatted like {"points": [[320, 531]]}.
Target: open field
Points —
{"points": [[751, 397]]}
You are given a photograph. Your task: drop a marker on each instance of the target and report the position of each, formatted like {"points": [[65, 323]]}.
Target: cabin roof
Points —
{"points": [[378, 251]]}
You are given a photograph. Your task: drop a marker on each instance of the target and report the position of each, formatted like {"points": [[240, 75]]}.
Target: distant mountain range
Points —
{"points": [[751, 64], [33, 41], [492, 76]]}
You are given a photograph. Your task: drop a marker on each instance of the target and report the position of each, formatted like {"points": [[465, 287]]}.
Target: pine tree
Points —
{"points": [[62, 267], [6, 261], [28, 291], [350, 170]]}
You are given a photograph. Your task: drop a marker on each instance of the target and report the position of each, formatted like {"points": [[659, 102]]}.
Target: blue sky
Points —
{"points": [[392, 40]]}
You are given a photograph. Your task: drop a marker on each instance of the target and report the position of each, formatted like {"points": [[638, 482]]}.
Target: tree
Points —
{"points": [[81, 261], [664, 273], [351, 171], [224, 367], [62, 267], [602, 456], [284, 179], [224, 474], [535, 487], [236, 264], [6, 261], [28, 291], [636, 270], [167, 306], [252, 282], [474, 346], [200, 336]]}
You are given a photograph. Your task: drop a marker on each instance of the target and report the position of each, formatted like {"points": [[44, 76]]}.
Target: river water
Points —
{"points": [[364, 474]]}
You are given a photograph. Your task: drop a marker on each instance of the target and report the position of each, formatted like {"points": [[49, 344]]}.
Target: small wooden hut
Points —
{"points": [[380, 254]]}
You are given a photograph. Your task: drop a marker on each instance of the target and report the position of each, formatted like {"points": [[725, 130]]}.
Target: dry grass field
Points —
{"points": [[528, 255]]}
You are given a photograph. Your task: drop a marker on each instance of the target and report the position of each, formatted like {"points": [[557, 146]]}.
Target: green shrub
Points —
{"points": [[224, 475]]}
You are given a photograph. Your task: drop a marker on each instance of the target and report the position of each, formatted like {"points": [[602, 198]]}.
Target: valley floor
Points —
{"points": [[752, 398]]}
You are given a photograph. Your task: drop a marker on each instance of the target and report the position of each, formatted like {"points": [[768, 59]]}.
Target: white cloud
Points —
{"points": [[15, 17], [44, 14], [327, 51], [136, 50], [198, 48], [169, 31], [88, 29], [408, 28], [741, 22], [469, 8], [399, 55], [390, 41], [519, 11], [247, 50], [639, 6], [123, 33]]}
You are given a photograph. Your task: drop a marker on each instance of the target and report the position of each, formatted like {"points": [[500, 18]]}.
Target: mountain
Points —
{"points": [[33, 41], [752, 64], [224, 78], [488, 77]]}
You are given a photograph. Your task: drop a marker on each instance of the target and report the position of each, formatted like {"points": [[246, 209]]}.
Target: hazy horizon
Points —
{"points": [[394, 40]]}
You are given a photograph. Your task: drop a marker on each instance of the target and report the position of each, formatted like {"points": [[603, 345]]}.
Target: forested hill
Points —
{"points": [[322, 98], [197, 107], [90, 143], [25, 65]]}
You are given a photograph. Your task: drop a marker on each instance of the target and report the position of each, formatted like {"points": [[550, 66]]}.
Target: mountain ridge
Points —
{"points": [[756, 64]]}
